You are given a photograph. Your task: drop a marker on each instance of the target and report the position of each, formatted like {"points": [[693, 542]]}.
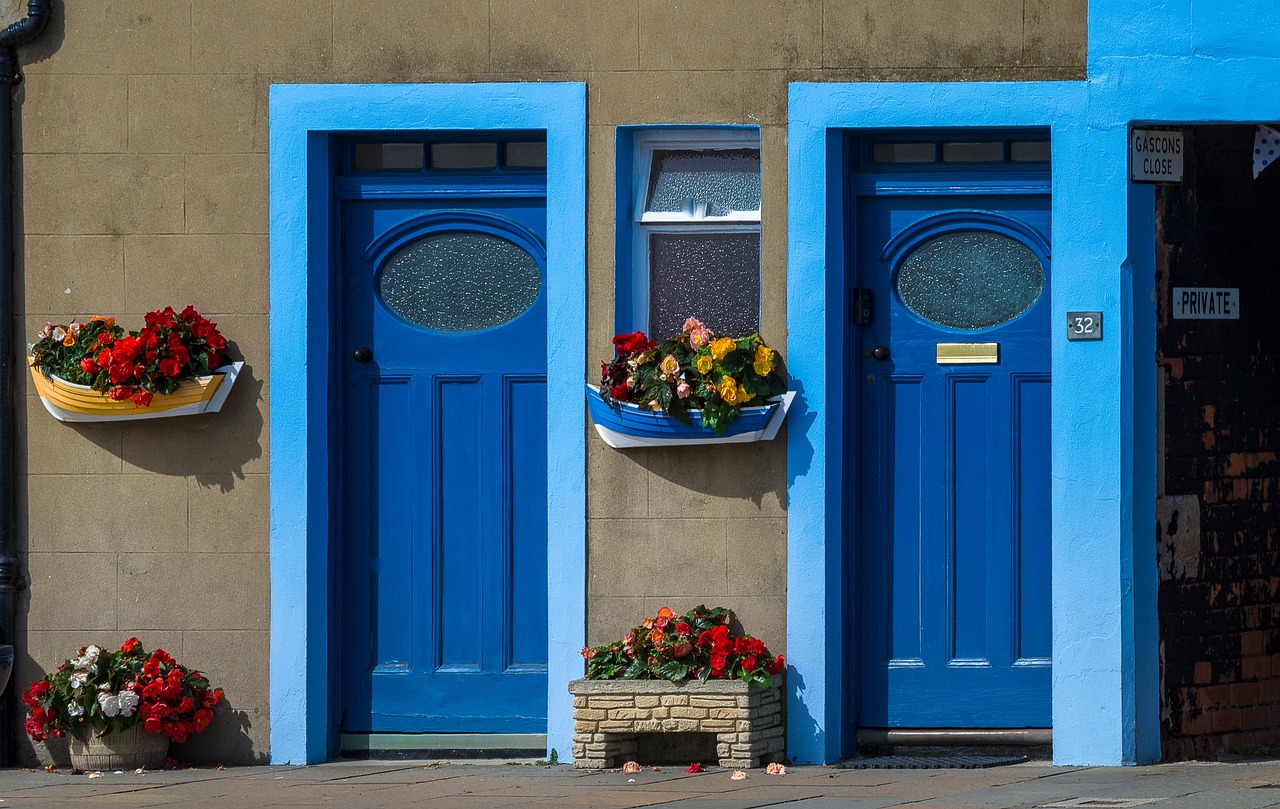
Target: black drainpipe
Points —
{"points": [[20, 33]]}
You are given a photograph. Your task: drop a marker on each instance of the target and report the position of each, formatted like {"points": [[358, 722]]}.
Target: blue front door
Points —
{"points": [[950, 380], [442, 484]]}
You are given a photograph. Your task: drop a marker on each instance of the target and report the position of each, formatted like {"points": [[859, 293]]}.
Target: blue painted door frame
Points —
{"points": [[305, 120], [1105, 677], [950, 494]]}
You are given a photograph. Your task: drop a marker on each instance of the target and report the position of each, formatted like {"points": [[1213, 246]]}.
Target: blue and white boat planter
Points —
{"points": [[624, 426]]}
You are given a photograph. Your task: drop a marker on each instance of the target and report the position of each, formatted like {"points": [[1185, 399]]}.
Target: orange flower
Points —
{"points": [[69, 340]]}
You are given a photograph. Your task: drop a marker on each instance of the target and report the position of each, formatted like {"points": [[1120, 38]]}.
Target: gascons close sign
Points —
{"points": [[1155, 156]]}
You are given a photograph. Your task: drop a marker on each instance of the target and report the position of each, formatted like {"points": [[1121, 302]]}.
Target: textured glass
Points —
{"points": [[725, 180], [714, 277], [464, 155], [388, 156], [460, 282], [970, 280]]}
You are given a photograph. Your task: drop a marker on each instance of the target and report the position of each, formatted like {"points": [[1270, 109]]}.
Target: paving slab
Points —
{"points": [[496, 785]]}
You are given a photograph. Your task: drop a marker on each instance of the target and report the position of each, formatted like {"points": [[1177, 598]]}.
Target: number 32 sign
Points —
{"points": [[1084, 325]]}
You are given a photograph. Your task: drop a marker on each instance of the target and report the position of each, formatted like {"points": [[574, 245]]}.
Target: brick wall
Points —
{"points": [[1218, 535]]}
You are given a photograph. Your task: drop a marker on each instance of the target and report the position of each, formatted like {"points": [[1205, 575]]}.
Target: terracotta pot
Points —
{"points": [[120, 750]]}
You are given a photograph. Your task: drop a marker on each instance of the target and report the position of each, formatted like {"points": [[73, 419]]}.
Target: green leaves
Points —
{"points": [[680, 647], [694, 370]]}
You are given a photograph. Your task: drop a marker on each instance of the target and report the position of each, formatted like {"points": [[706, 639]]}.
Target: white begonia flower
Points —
{"points": [[78, 678], [128, 702], [75, 709], [59, 333], [109, 703]]}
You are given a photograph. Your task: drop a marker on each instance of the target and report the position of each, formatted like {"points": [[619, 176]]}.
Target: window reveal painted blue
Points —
{"points": [[631, 275], [303, 120]]}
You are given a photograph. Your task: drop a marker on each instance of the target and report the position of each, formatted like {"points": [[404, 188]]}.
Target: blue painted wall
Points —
{"points": [[1161, 63], [303, 726]]}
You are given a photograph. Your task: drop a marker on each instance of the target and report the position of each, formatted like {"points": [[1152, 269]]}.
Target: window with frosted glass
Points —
{"points": [[714, 277], [704, 182], [970, 280], [697, 197], [459, 282]]}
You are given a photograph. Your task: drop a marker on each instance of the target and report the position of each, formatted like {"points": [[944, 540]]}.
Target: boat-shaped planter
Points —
{"points": [[67, 401], [624, 426]]}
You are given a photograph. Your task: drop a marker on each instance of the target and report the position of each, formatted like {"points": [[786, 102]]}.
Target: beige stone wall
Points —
{"points": [[143, 174]]}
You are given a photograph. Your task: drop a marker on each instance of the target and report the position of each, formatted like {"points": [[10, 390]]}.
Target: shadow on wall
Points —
{"points": [[799, 458], [213, 448], [800, 724], [702, 474], [50, 40], [226, 739]]}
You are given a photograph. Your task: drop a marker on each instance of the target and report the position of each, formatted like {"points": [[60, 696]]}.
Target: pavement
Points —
{"points": [[526, 784]]}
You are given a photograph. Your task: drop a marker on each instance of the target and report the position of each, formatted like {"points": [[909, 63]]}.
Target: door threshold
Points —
{"points": [[439, 746], [906, 737]]}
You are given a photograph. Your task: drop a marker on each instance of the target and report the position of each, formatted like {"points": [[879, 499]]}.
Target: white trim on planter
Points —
{"points": [[210, 405], [627, 426]]}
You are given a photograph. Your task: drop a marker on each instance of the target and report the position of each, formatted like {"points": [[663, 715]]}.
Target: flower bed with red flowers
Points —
{"points": [[99, 690], [172, 347], [696, 645]]}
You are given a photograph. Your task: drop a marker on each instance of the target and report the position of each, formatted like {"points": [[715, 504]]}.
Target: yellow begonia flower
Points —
{"points": [[704, 364], [764, 360], [722, 347], [745, 395], [729, 390]]}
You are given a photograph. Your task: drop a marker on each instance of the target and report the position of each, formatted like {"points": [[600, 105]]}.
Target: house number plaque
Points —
{"points": [[1084, 325]]}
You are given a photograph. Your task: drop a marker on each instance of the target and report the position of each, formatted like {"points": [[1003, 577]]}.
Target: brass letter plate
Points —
{"points": [[968, 353]]}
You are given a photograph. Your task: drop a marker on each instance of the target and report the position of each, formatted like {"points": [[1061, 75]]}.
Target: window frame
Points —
{"points": [[646, 223]]}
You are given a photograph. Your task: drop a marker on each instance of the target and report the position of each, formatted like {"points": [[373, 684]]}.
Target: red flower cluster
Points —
{"points": [[174, 701], [171, 348], [697, 644], [40, 725], [632, 343], [100, 689]]}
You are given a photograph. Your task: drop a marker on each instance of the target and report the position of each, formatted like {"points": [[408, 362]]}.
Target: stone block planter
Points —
{"points": [[607, 715]]}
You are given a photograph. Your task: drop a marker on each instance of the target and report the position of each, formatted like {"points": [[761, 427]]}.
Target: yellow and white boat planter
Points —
{"points": [[67, 401]]}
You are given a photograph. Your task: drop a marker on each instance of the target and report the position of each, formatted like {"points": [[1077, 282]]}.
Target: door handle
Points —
{"points": [[362, 355], [880, 352]]}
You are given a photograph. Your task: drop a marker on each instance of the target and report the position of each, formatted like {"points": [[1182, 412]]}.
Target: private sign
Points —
{"points": [[1155, 156]]}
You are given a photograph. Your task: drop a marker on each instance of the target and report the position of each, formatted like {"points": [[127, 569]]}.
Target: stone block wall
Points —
{"points": [[608, 714], [142, 174], [1218, 534]]}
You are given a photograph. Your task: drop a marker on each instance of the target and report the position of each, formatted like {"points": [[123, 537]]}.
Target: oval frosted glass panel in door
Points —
{"points": [[970, 280], [460, 282]]}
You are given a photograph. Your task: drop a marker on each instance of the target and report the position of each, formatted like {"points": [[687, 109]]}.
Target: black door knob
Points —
{"points": [[880, 352], [362, 354]]}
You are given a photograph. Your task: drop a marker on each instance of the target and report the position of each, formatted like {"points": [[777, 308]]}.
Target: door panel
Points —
{"points": [[953, 504], [443, 474]]}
